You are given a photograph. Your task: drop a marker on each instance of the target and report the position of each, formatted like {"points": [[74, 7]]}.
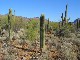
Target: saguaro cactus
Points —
{"points": [[48, 22], [66, 11], [9, 22], [66, 14], [48, 25], [62, 16], [14, 15], [77, 24], [42, 31], [62, 19]]}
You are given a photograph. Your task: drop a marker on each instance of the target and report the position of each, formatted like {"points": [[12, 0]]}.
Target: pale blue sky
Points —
{"points": [[33, 8]]}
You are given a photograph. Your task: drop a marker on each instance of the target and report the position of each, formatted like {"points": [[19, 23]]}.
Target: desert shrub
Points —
{"points": [[63, 31], [69, 50], [67, 33], [71, 28], [9, 57], [54, 25], [78, 35], [18, 23], [32, 30]]}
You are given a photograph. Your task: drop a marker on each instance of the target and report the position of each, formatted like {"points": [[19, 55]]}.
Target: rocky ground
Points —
{"points": [[55, 48]]}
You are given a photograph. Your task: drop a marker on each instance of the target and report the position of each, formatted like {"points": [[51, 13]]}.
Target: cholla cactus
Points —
{"points": [[42, 31], [9, 22]]}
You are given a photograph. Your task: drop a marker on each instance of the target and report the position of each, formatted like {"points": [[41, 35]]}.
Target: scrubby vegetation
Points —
{"points": [[24, 38]]}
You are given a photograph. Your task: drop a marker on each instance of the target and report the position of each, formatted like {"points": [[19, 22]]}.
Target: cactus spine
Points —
{"points": [[42, 32], [9, 22]]}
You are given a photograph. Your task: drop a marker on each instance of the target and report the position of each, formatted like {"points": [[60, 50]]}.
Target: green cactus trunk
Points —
{"points": [[65, 18], [14, 27], [77, 24], [42, 32], [66, 11], [9, 22], [62, 19], [14, 15], [66, 14], [48, 26]]}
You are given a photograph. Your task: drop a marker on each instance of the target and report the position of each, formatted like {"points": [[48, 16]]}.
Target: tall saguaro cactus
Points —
{"points": [[77, 23], [9, 22], [66, 14], [42, 31], [62, 19], [48, 25], [14, 15], [66, 11]]}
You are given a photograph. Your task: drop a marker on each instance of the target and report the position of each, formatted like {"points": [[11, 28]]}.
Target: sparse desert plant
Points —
{"points": [[63, 31]]}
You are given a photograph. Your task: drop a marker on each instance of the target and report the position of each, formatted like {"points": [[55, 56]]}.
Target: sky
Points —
{"points": [[52, 9]]}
